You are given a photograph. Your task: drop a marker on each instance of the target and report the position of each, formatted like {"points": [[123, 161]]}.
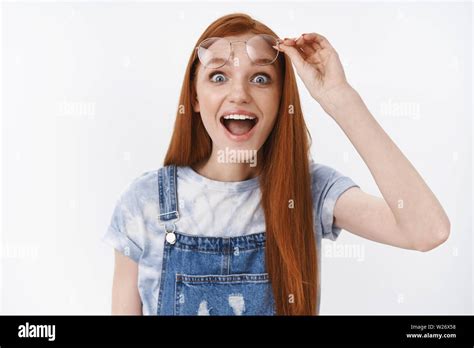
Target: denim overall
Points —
{"points": [[209, 275]]}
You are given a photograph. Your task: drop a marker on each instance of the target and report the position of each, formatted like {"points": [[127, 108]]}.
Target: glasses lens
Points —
{"points": [[214, 52], [260, 50]]}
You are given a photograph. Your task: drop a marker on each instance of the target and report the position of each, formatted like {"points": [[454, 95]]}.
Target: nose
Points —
{"points": [[239, 87], [238, 92], [239, 61]]}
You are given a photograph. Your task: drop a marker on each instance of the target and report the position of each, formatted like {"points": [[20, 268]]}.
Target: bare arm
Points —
{"points": [[125, 295], [409, 215]]}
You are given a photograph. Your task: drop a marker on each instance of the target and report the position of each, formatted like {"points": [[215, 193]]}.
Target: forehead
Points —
{"points": [[239, 37]]}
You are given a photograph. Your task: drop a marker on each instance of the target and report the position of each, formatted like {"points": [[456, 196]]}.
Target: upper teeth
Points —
{"points": [[239, 117]]}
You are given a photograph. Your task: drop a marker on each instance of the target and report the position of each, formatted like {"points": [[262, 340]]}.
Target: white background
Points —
{"points": [[89, 95]]}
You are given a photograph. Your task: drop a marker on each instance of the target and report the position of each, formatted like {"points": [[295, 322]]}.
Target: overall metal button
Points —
{"points": [[170, 237]]}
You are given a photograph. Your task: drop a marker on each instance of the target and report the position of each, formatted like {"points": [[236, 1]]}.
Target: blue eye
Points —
{"points": [[266, 78], [261, 78], [216, 74]]}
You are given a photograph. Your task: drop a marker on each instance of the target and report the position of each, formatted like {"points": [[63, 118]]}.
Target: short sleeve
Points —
{"points": [[327, 186], [127, 227]]}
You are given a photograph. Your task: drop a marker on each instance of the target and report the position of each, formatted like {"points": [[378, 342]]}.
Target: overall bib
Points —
{"points": [[209, 275]]}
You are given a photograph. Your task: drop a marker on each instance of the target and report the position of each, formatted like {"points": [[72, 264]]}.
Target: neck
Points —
{"points": [[213, 169]]}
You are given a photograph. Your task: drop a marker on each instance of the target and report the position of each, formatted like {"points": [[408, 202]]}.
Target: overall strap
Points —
{"points": [[167, 193]]}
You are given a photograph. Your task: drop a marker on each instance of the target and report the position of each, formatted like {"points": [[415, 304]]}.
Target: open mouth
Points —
{"points": [[238, 124]]}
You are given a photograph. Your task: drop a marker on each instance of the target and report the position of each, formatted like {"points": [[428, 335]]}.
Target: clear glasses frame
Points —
{"points": [[272, 41]]}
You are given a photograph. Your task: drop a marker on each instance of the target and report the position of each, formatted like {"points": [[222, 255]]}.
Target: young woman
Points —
{"points": [[216, 233]]}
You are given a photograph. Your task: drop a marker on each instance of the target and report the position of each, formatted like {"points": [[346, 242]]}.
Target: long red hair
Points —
{"points": [[283, 167]]}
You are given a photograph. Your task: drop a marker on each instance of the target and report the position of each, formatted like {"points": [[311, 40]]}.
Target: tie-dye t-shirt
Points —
{"points": [[207, 208]]}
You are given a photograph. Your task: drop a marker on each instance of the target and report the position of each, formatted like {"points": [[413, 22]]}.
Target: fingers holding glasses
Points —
{"points": [[319, 40], [307, 47], [314, 40], [304, 51]]}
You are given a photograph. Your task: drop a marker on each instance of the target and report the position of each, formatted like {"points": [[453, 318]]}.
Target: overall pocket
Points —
{"points": [[232, 294]]}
